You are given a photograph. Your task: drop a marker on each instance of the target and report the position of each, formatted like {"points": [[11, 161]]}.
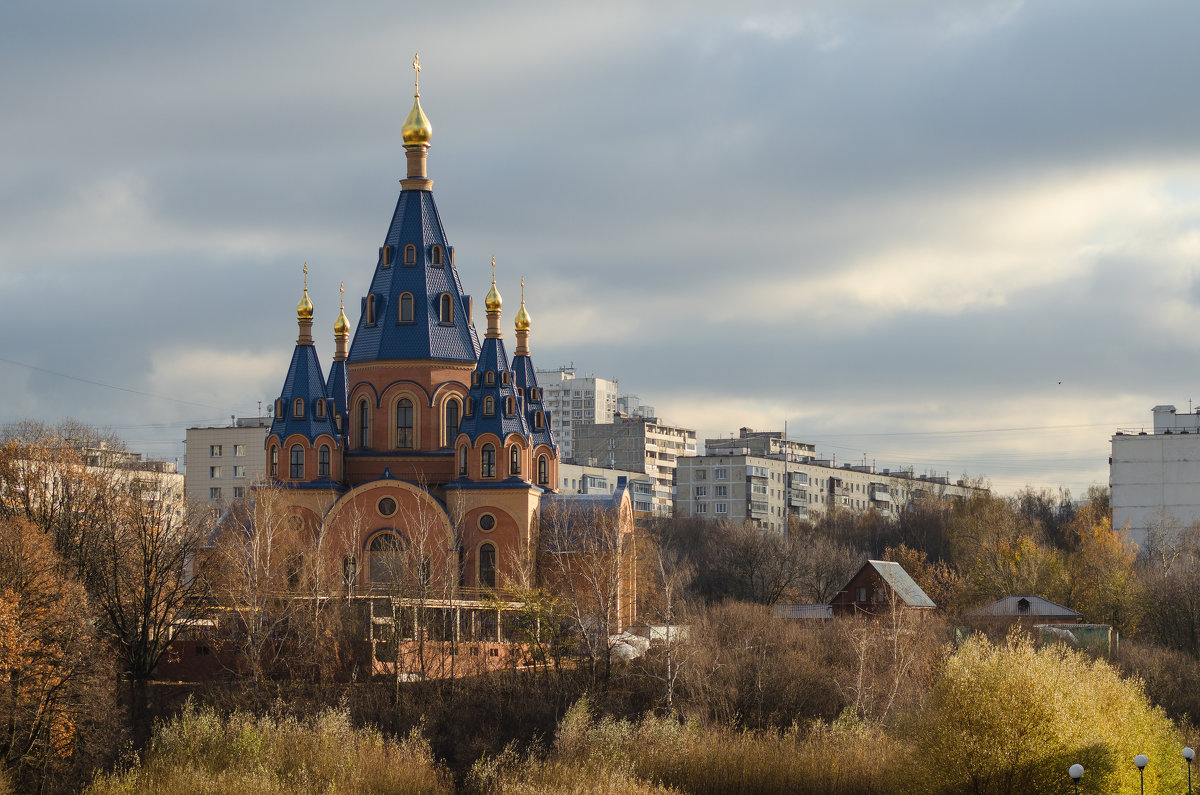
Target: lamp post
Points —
{"points": [[1141, 760], [1189, 755], [1076, 773]]}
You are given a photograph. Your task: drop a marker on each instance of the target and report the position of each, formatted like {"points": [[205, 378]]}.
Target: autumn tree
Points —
{"points": [[57, 673]]}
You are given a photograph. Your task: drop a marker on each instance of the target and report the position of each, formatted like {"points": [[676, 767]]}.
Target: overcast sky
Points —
{"points": [[961, 236]]}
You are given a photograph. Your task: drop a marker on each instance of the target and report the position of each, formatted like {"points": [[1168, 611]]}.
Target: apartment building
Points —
{"points": [[1155, 475], [221, 463], [731, 483], [642, 445], [580, 479], [573, 401]]}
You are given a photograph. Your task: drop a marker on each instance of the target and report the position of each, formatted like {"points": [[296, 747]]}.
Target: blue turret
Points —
{"points": [[303, 406], [525, 378]]}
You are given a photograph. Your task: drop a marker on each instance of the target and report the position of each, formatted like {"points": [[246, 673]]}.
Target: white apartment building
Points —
{"points": [[221, 463], [573, 401], [731, 483], [1155, 476], [641, 445], [579, 479]]}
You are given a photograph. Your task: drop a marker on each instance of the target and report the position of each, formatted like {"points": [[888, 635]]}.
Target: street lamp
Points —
{"points": [[1141, 760], [1189, 755], [1076, 773]]}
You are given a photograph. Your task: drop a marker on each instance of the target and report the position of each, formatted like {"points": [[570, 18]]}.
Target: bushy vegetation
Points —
{"points": [[202, 752]]}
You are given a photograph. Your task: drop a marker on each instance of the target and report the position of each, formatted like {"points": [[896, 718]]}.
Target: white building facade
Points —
{"points": [[1155, 476], [222, 463], [642, 445], [573, 401]]}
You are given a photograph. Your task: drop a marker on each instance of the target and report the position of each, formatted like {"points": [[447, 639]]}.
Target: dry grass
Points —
{"points": [[202, 752]]}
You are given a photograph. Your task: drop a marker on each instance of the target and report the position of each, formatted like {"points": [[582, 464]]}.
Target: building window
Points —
{"points": [[274, 461], [462, 461], [487, 566], [385, 256], [701, 474], [452, 415], [514, 460], [721, 474], [214, 451], [510, 406], [410, 254], [239, 472], [701, 508], [214, 493], [720, 491], [370, 310], [490, 378], [214, 472], [539, 420], [320, 408], [487, 461], [543, 474], [364, 428], [404, 423], [239, 450], [384, 557], [487, 523], [436, 255], [278, 407], [239, 492], [297, 462], [446, 309], [860, 594], [701, 491], [406, 308], [298, 408], [489, 406], [721, 507], [323, 461]]}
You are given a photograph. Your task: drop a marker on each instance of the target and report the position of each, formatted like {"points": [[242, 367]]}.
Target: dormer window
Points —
{"points": [[446, 309], [504, 377], [489, 406], [510, 406], [385, 257], [298, 408], [320, 408], [533, 393], [436, 255], [410, 254], [406, 308], [469, 408], [490, 378], [370, 310], [539, 420], [279, 407], [475, 378]]}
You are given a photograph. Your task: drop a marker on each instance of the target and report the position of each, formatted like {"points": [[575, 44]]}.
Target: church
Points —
{"points": [[421, 438]]}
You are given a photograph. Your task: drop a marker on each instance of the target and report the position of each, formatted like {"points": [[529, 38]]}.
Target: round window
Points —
{"points": [[487, 522], [387, 506]]}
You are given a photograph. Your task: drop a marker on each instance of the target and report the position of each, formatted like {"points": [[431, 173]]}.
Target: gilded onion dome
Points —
{"points": [[416, 130], [304, 309], [341, 326], [492, 301], [522, 321]]}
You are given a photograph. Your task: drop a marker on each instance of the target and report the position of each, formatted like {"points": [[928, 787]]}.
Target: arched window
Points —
{"points": [[510, 406], [385, 256], [404, 423], [489, 406], [445, 309], [452, 418], [320, 408], [490, 378], [487, 566], [437, 255], [386, 559], [469, 408], [274, 461], [297, 462], [323, 461], [543, 470], [462, 461], [364, 428], [514, 460], [278, 407], [487, 461], [298, 408], [406, 308], [539, 419], [371, 310], [410, 254]]}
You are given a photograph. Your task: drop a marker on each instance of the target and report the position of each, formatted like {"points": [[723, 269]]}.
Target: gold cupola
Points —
{"points": [[304, 309], [416, 133], [522, 320], [492, 303], [341, 326]]}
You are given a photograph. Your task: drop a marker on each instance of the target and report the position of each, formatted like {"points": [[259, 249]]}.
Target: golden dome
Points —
{"points": [[341, 326], [522, 320], [492, 301], [304, 309], [416, 130]]}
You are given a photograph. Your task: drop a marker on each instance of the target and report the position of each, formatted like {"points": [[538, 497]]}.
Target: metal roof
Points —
{"points": [[905, 587], [1035, 606]]}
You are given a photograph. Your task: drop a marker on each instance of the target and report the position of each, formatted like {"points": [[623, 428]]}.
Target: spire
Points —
{"points": [[522, 324], [416, 133], [492, 304], [304, 314], [341, 327]]}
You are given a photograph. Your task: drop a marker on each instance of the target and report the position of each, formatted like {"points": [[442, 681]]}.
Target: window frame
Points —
{"points": [[487, 461], [296, 462]]}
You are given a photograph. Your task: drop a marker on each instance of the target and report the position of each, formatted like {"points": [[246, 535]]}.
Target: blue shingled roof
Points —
{"points": [[415, 221], [304, 380], [493, 359], [339, 392], [525, 377]]}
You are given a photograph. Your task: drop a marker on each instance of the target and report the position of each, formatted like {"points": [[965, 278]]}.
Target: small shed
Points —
{"points": [[877, 586], [1027, 607]]}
